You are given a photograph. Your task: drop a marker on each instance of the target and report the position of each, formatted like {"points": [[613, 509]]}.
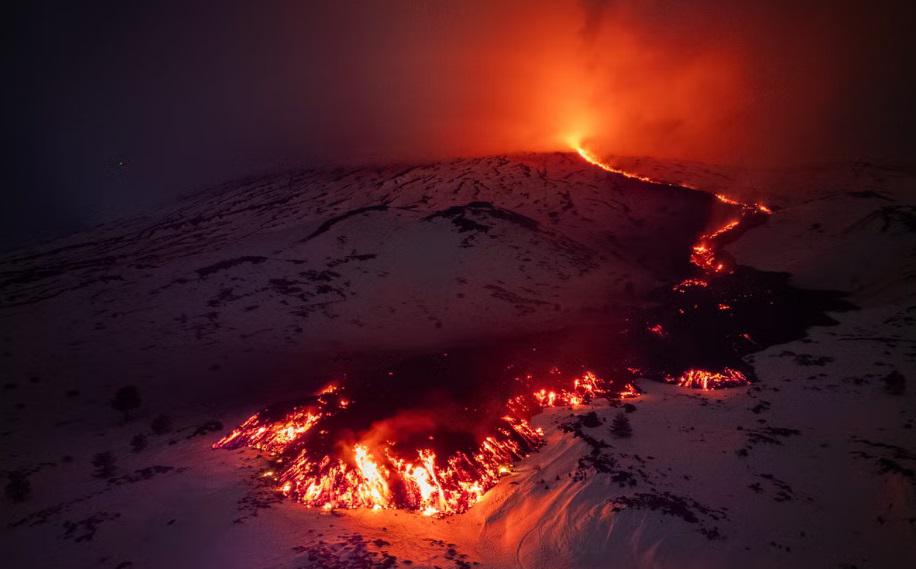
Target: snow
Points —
{"points": [[807, 467]]}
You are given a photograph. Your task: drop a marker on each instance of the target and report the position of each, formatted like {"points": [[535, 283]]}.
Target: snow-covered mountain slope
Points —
{"points": [[239, 296], [273, 277], [385, 255]]}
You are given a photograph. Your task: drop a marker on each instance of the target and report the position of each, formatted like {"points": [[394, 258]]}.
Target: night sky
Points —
{"points": [[114, 107]]}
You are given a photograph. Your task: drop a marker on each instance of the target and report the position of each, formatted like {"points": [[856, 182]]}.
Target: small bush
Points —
{"points": [[17, 487], [160, 425], [620, 426], [126, 400], [894, 383], [589, 420], [104, 463], [138, 443]]}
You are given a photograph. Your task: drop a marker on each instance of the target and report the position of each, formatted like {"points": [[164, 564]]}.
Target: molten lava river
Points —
{"points": [[435, 432]]}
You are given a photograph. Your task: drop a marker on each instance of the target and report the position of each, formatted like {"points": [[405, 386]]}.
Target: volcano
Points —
{"points": [[508, 361], [405, 440]]}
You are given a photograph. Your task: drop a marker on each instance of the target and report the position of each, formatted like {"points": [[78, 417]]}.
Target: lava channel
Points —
{"points": [[433, 433]]}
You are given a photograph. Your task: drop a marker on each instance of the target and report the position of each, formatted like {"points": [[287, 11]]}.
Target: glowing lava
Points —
{"points": [[595, 161], [703, 379], [381, 476], [705, 255], [704, 251], [319, 467]]}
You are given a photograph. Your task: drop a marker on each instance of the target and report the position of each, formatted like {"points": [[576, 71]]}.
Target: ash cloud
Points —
{"points": [[776, 83]]}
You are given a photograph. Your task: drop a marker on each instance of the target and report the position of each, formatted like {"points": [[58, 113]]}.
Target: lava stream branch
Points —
{"points": [[706, 256]]}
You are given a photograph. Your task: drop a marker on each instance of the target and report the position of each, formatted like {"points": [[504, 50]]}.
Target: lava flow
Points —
{"points": [[381, 474], [395, 439], [595, 161]]}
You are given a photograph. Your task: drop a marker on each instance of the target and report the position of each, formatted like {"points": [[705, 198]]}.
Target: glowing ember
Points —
{"points": [[688, 283], [725, 199], [703, 379], [629, 391]]}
